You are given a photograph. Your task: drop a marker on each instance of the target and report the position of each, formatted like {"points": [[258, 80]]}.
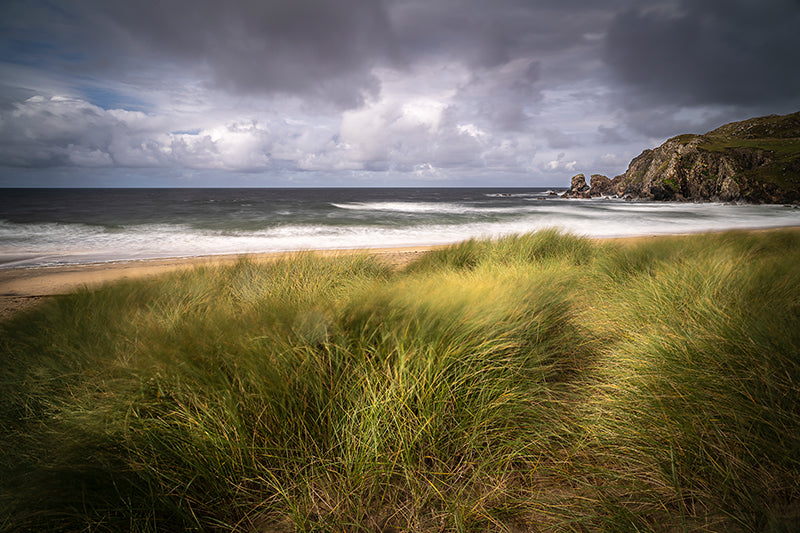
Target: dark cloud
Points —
{"points": [[487, 34], [496, 98], [313, 48], [610, 135], [722, 52], [687, 51], [663, 121]]}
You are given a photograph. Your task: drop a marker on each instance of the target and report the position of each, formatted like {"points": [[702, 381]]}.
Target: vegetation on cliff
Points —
{"points": [[755, 160], [536, 383]]}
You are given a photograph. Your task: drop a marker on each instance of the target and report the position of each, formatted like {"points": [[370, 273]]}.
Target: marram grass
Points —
{"points": [[535, 383]]}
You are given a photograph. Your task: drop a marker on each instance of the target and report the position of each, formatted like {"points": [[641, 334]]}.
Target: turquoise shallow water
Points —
{"points": [[60, 226]]}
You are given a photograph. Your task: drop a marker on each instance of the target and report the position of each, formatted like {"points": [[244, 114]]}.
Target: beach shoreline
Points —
{"points": [[22, 288]]}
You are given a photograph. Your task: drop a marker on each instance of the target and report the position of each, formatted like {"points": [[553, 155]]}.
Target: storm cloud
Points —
{"points": [[734, 52], [410, 91]]}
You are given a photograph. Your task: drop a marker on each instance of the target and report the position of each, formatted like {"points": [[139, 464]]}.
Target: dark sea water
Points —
{"points": [[60, 226]]}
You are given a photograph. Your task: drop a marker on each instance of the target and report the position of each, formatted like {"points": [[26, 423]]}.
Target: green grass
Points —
{"points": [[781, 147], [536, 383], [784, 153], [684, 139], [672, 184]]}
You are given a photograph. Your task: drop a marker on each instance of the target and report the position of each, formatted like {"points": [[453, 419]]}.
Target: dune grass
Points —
{"points": [[534, 383]]}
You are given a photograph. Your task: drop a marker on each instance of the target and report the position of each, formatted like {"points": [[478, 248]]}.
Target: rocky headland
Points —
{"points": [[754, 161]]}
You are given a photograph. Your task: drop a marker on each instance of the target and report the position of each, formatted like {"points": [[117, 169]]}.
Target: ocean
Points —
{"points": [[43, 227]]}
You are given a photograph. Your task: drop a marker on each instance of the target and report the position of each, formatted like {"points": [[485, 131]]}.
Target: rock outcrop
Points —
{"points": [[577, 188], [756, 160], [599, 185]]}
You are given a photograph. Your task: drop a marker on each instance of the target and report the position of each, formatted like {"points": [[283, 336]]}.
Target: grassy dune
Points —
{"points": [[536, 383]]}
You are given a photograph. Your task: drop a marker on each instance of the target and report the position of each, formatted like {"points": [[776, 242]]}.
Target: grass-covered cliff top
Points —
{"points": [[536, 383], [776, 135], [769, 127]]}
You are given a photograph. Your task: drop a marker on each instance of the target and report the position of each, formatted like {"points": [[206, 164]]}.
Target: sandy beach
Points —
{"points": [[22, 288]]}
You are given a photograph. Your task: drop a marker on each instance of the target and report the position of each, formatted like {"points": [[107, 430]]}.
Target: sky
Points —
{"points": [[309, 93]]}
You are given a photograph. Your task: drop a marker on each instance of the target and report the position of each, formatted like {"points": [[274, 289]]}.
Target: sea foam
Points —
{"points": [[181, 224]]}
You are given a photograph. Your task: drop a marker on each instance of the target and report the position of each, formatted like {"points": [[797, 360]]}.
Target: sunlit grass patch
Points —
{"points": [[536, 382]]}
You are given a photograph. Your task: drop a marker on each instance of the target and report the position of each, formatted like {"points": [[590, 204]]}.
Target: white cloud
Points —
{"points": [[558, 165], [471, 129], [609, 159], [430, 128], [69, 131]]}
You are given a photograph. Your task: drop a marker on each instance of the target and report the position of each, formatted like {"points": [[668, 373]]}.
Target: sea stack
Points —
{"points": [[578, 188]]}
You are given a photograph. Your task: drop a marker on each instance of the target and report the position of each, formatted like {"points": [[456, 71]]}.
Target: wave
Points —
{"points": [[432, 208], [548, 194], [38, 244], [403, 207]]}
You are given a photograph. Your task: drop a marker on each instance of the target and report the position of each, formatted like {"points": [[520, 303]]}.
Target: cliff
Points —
{"points": [[756, 160]]}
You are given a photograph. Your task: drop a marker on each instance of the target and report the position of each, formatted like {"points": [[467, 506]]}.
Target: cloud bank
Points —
{"points": [[385, 92]]}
